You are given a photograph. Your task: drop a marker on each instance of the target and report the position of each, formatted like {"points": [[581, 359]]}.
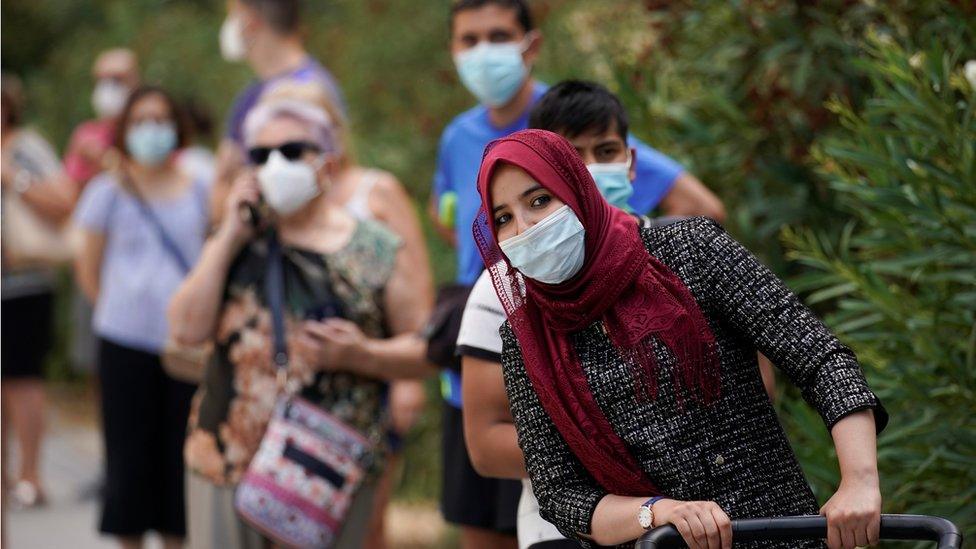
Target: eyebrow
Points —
{"points": [[616, 141], [531, 190]]}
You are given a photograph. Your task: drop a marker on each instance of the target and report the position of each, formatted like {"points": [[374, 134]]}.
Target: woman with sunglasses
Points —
{"points": [[630, 365], [347, 284], [373, 194], [143, 226]]}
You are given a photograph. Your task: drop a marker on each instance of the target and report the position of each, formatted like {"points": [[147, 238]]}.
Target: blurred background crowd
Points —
{"points": [[840, 137]]}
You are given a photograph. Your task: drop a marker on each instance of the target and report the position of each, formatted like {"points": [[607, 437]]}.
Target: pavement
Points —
{"points": [[70, 468]]}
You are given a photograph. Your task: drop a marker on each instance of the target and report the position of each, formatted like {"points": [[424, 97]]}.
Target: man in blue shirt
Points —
{"points": [[494, 48], [495, 44]]}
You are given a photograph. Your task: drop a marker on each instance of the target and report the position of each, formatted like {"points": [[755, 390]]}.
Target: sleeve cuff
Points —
{"points": [[841, 390], [477, 352], [577, 517]]}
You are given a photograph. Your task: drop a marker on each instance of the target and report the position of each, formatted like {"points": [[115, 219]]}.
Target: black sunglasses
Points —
{"points": [[292, 150]]}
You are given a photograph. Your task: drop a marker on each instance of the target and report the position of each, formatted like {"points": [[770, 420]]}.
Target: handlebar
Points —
{"points": [[904, 527]]}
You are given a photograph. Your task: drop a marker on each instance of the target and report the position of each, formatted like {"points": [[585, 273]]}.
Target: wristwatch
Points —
{"points": [[645, 515]]}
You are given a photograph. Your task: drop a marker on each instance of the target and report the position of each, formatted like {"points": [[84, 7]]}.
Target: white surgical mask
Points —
{"points": [[493, 72], [109, 98], [613, 181], [287, 185], [232, 47], [551, 251]]}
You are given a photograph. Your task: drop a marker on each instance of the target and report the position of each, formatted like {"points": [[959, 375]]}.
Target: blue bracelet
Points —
{"points": [[650, 503]]}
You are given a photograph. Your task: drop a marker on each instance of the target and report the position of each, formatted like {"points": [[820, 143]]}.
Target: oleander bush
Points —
{"points": [[900, 280]]}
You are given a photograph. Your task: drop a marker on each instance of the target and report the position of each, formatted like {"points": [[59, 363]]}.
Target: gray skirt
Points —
{"points": [[212, 521]]}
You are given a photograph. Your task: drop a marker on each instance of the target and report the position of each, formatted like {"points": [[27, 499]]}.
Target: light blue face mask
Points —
{"points": [[613, 181], [151, 142], [551, 251], [492, 72]]}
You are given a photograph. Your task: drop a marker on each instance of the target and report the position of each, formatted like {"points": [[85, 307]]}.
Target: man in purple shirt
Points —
{"points": [[265, 34]]}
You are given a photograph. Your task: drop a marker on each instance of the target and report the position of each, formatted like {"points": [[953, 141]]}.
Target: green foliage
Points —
{"points": [[737, 91], [901, 278], [817, 116]]}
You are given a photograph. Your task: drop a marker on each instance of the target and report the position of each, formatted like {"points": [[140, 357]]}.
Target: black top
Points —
{"points": [[733, 452]]}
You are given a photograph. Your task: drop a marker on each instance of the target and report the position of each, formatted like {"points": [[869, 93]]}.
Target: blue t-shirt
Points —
{"points": [[459, 159], [310, 71], [138, 274]]}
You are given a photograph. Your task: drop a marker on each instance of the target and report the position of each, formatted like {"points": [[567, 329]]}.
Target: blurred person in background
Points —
{"points": [[197, 159], [349, 283], [495, 46], [116, 73], [143, 224], [37, 198], [373, 194], [267, 35], [89, 152]]}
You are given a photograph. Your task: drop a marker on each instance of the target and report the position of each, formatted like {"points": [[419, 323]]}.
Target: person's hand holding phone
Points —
{"points": [[234, 227]]}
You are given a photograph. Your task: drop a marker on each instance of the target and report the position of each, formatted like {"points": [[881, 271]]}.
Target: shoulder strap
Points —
{"points": [[274, 291], [168, 243]]}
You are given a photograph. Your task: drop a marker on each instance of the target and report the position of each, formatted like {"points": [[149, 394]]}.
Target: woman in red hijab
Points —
{"points": [[630, 364]]}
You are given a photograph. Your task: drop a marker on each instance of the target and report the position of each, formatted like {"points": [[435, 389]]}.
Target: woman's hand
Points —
{"points": [[235, 230], [702, 524], [854, 514], [336, 344]]}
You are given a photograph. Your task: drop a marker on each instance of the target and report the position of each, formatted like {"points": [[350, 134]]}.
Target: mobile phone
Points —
{"points": [[254, 214]]}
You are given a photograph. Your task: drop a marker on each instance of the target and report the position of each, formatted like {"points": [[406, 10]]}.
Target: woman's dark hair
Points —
{"points": [[140, 93], [198, 119], [575, 107], [12, 91], [283, 16], [522, 12]]}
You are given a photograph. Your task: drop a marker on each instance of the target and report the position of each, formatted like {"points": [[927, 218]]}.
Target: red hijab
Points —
{"points": [[637, 297]]}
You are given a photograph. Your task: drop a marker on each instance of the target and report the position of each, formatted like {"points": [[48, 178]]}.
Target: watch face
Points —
{"points": [[645, 517]]}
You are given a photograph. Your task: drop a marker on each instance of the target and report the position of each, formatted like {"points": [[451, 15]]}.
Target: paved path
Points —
{"points": [[70, 464], [71, 461]]}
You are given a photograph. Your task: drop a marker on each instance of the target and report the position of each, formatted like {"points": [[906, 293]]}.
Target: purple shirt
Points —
{"points": [[310, 71]]}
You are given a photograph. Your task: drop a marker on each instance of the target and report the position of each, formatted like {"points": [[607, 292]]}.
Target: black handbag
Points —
{"points": [[444, 324]]}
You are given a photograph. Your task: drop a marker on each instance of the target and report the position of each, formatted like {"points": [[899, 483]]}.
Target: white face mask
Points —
{"points": [[551, 251], [232, 46], [287, 185], [109, 98]]}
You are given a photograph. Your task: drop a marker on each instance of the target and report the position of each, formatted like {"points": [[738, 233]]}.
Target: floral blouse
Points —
{"points": [[236, 399]]}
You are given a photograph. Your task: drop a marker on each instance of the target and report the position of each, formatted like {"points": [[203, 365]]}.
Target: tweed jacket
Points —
{"points": [[733, 451]]}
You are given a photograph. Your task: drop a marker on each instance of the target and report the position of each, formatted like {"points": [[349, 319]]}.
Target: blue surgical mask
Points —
{"points": [[151, 142], [551, 251], [492, 72], [613, 181]]}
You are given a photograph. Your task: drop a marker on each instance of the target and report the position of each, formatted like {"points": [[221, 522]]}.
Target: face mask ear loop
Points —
{"points": [[527, 40], [317, 165]]}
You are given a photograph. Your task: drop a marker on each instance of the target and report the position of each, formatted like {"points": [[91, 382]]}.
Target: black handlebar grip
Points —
{"points": [[904, 527]]}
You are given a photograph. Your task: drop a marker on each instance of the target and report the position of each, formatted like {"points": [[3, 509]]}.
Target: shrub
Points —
{"points": [[901, 278]]}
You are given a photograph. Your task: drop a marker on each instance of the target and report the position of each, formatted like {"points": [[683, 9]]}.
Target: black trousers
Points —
{"points": [[144, 415]]}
